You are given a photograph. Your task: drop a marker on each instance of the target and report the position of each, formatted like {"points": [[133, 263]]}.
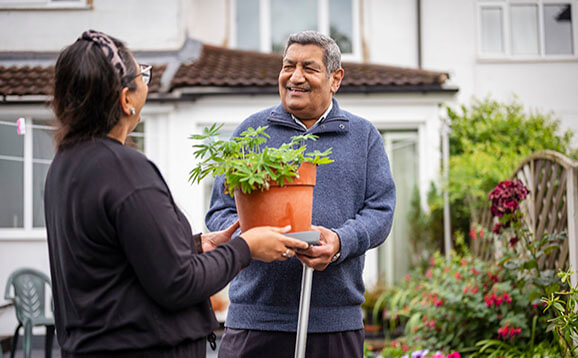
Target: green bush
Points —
{"points": [[488, 141]]}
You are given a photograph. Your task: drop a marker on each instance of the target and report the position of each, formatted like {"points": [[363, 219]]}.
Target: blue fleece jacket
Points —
{"points": [[354, 196]]}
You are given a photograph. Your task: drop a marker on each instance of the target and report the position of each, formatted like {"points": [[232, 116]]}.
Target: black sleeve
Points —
{"points": [[198, 243], [159, 248]]}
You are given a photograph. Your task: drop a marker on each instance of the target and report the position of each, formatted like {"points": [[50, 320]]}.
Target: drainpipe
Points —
{"points": [[418, 20]]}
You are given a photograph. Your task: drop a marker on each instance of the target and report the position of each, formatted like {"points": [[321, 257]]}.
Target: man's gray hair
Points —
{"points": [[331, 52]]}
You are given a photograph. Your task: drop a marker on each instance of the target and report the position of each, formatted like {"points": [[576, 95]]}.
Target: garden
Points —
{"points": [[505, 289]]}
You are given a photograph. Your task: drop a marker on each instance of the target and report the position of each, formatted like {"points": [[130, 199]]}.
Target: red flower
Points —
{"points": [[473, 233], [506, 197], [497, 228], [429, 273], [458, 276], [514, 241]]}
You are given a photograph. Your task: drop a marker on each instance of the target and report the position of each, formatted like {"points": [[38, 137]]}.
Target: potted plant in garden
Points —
{"points": [[271, 186]]}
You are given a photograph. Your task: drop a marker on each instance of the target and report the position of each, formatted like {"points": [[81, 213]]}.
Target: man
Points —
{"points": [[353, 205]]}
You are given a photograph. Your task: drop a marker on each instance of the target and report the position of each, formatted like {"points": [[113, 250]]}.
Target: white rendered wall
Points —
{"points": [[142, 24], [391, 32], [208, 21]]}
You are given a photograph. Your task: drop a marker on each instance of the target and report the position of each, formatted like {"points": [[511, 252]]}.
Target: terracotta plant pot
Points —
{"points": [[291, 204]]}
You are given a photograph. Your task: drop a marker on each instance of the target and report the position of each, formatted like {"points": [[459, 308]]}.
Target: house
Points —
{"points": [[215, 61]]}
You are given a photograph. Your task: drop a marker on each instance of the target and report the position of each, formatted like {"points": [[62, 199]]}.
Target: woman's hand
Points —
{"points": [[211, 240], [268, 243]]}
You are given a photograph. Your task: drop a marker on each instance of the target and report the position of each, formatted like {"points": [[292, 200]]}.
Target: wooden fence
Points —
{"points": [[551, 207]]}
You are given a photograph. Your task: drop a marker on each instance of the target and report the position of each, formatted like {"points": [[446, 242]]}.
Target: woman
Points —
{"points": [[129, 277]]}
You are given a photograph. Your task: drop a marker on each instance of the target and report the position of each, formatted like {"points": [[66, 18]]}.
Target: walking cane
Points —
{"points": [[311, 237]]}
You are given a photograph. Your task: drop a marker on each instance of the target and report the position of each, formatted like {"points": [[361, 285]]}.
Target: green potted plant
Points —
{"points": [[271, 186]]}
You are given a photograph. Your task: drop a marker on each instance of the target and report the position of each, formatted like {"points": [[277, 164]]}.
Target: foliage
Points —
{"points": [[564, 304], [486, 308], [247, 163], [495, 348], [425, 228], [487, 142]]}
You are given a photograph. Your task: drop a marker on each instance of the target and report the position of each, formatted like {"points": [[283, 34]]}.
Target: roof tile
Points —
{"points": [[37, 80], [222, 67]]}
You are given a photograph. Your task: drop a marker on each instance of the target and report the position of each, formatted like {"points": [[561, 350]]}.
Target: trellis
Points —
{"points": [[551, 207]]}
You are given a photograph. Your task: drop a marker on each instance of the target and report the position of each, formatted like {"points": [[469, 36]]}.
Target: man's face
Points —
{"points": [[304, 86]]}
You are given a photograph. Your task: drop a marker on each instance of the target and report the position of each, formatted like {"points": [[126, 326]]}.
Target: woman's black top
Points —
{"points": [[125, 273]]}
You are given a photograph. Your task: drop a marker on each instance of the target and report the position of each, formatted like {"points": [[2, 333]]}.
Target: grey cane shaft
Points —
{"points": [[304, 302]]}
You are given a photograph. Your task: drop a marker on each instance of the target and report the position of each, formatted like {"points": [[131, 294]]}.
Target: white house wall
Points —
{"points": [[142, 24], [390, 32]]}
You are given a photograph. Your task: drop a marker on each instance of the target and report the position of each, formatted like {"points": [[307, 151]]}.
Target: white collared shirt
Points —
{"points": [[323, 116]]}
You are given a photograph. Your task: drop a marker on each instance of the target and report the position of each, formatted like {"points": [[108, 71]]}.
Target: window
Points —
{"points": [[24, 163], [393, 256], [265, 25], [527, 28]]}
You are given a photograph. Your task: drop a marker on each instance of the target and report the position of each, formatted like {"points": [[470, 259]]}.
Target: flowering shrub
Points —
{"points": [[506, 197], [467, 300], [481, 308]]}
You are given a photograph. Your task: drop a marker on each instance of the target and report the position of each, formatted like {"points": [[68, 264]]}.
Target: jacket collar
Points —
{"points": [[336, 121]]}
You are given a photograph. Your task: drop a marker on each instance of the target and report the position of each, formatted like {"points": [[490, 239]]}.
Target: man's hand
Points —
{"points": [[320, 256], [211, 240]]}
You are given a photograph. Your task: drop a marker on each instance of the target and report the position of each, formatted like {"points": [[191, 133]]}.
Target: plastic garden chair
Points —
{"points": [[29, 302]]}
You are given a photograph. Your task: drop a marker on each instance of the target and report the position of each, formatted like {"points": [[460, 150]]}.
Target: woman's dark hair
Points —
{"points": [[87, 91]]}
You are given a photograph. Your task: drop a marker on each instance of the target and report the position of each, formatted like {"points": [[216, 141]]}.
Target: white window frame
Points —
{"points": [[46, 5], [506, 33], [322, 21], [28, 231]]}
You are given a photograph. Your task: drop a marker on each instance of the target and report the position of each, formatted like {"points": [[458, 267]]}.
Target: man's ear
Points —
{"points": [[125, 101], [336, 78]]}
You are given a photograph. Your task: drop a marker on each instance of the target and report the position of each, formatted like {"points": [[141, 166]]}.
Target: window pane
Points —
{"points": [[288, 17], [40, 170], [492, 30], [525, 29], [248, 22], [136, 138], [558, 29], [43, 144], [341, 24], [11, 193], [43, 149], [11, 143]]}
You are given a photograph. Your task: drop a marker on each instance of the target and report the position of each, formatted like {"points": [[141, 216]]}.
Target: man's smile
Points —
{"points": [[298, 89]]}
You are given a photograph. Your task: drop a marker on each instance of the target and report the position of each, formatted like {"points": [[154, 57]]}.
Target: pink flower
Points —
{"points": [[497, 228], [473, 233], [429, 273], [438, 355], [454, 355], [506, 197]]}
